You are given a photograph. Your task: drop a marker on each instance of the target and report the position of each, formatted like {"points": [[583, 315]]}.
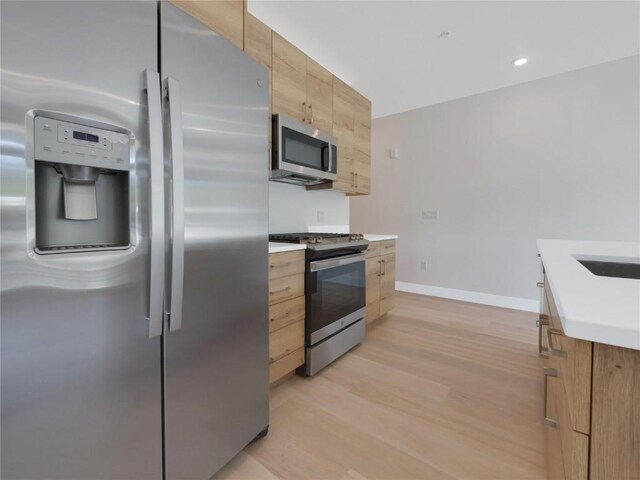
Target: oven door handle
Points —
{"points": [[335, 262]]}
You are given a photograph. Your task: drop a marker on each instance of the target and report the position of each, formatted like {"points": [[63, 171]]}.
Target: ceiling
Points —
{"points": [[392, 51]]}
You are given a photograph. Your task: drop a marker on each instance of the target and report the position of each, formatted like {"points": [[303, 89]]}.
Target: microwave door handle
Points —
{"points": [[330, 157], [156, 204], [172, 91], [326, 166]]}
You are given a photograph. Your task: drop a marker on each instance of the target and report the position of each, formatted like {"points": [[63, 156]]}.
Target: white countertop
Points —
{"points": [[592, 307], [277, 247], [377, 238]]}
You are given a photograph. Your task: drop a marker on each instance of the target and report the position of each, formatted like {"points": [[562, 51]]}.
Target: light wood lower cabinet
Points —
{"points": [[286, 313], [380, 278], [592, 404]]}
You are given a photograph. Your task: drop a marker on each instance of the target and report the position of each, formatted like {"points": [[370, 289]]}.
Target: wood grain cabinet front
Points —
{"points": [[591, 409], [380, 274], [286, 313]]}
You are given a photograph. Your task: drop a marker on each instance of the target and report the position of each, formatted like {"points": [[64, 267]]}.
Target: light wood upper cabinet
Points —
{"points": [[288, 79], [301, 87], [319, 96], [352, 129], [362, 144], [257, 39], [343, 126], [225, 17]]}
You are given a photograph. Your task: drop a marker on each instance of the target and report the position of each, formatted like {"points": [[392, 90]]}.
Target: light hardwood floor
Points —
{"points": [[438, 389]]}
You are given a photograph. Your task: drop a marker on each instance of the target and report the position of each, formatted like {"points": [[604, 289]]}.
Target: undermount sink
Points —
{"points": [[622, 268]]}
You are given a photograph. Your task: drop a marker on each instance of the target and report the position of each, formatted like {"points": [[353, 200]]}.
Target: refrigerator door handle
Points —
{"points": [[172, 93], [156, 194]]}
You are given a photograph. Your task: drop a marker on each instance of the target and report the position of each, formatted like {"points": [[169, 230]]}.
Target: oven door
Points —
{"points": [[304, 150], [336, 295]]}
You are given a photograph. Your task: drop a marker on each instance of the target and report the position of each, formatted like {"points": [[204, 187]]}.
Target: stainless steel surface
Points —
{"points": [[305, 175], [156, 204], [333, 246], [175, 206], [548, 372], [321, 355], [217, 363], [332, 328], [540, 284], [550, 348], [81, 387], [335, 262]]}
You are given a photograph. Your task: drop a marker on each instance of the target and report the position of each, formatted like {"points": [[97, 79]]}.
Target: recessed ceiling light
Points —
{"points": [[518, 62]]}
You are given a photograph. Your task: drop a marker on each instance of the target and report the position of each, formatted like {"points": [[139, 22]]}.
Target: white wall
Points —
{"points": [[293, 208], [553, 158]]}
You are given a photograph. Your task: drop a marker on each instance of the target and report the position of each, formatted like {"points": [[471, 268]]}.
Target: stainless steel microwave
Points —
{"points": [[302, 154]]}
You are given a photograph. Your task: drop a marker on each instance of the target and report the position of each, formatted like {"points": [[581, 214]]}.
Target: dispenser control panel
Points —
{"points": [[72, 143]]}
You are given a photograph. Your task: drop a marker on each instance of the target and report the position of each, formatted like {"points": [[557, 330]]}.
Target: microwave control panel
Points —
{"points": [[73, 143]]}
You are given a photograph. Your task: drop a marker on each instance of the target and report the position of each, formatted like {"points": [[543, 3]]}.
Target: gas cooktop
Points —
{"points": [[314, 238]]}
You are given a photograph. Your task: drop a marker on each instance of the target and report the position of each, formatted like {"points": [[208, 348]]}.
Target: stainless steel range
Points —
{"points": [[335, 294]]}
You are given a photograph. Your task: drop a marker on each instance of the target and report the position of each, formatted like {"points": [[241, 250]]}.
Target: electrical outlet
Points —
{"points": [[423, 265], [430, 214], [320, 216]]}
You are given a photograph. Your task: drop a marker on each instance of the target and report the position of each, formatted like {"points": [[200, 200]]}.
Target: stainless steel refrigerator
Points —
{"points": [[134, 173]]}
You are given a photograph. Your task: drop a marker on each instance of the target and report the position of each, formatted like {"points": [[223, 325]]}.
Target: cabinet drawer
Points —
{"points": [[387, 247], [373, 312], [284, 341], [286, 364], [373, 250], [285, 313], [286, 288], [286, 263], [572, 357]]}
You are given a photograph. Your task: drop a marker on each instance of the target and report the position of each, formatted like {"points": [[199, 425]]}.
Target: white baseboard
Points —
{"points": [[468, 296]]}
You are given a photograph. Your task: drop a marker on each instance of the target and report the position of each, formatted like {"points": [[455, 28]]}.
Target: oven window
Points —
{"points": [[334, 293], [303, 150]]}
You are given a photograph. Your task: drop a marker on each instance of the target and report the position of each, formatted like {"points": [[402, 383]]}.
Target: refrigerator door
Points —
{"points": [[81, 379], [216, 362]]}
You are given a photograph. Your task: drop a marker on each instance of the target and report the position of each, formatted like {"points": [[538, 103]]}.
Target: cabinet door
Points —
{"points": [[319, 96], [343, 126], [387, 283], [555, 463], [222, 16], [373, 271], [257, 40], [288, 79], [362, 144]]}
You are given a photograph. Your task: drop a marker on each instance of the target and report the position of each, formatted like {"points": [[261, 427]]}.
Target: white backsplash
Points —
{"points": [[294, 209]]}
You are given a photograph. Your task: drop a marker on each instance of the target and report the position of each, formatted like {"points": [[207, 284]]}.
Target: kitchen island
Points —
{"points": [[590, 339]]}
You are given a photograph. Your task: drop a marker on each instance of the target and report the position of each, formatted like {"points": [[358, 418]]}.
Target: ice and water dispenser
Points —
{"points": [[81, 187]]}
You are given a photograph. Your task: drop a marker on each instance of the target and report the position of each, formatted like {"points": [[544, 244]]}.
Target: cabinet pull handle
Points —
{"points": [[379, 268], [542, 322], [384, 267], [554, 351], [548, 372], [353, 179], [311, 113], [304, 109], [288, 287], [540, 284], [356, 174]]}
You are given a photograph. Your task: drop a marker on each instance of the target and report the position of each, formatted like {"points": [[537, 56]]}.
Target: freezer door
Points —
{"points": [[81, 379], [216, 359]]}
